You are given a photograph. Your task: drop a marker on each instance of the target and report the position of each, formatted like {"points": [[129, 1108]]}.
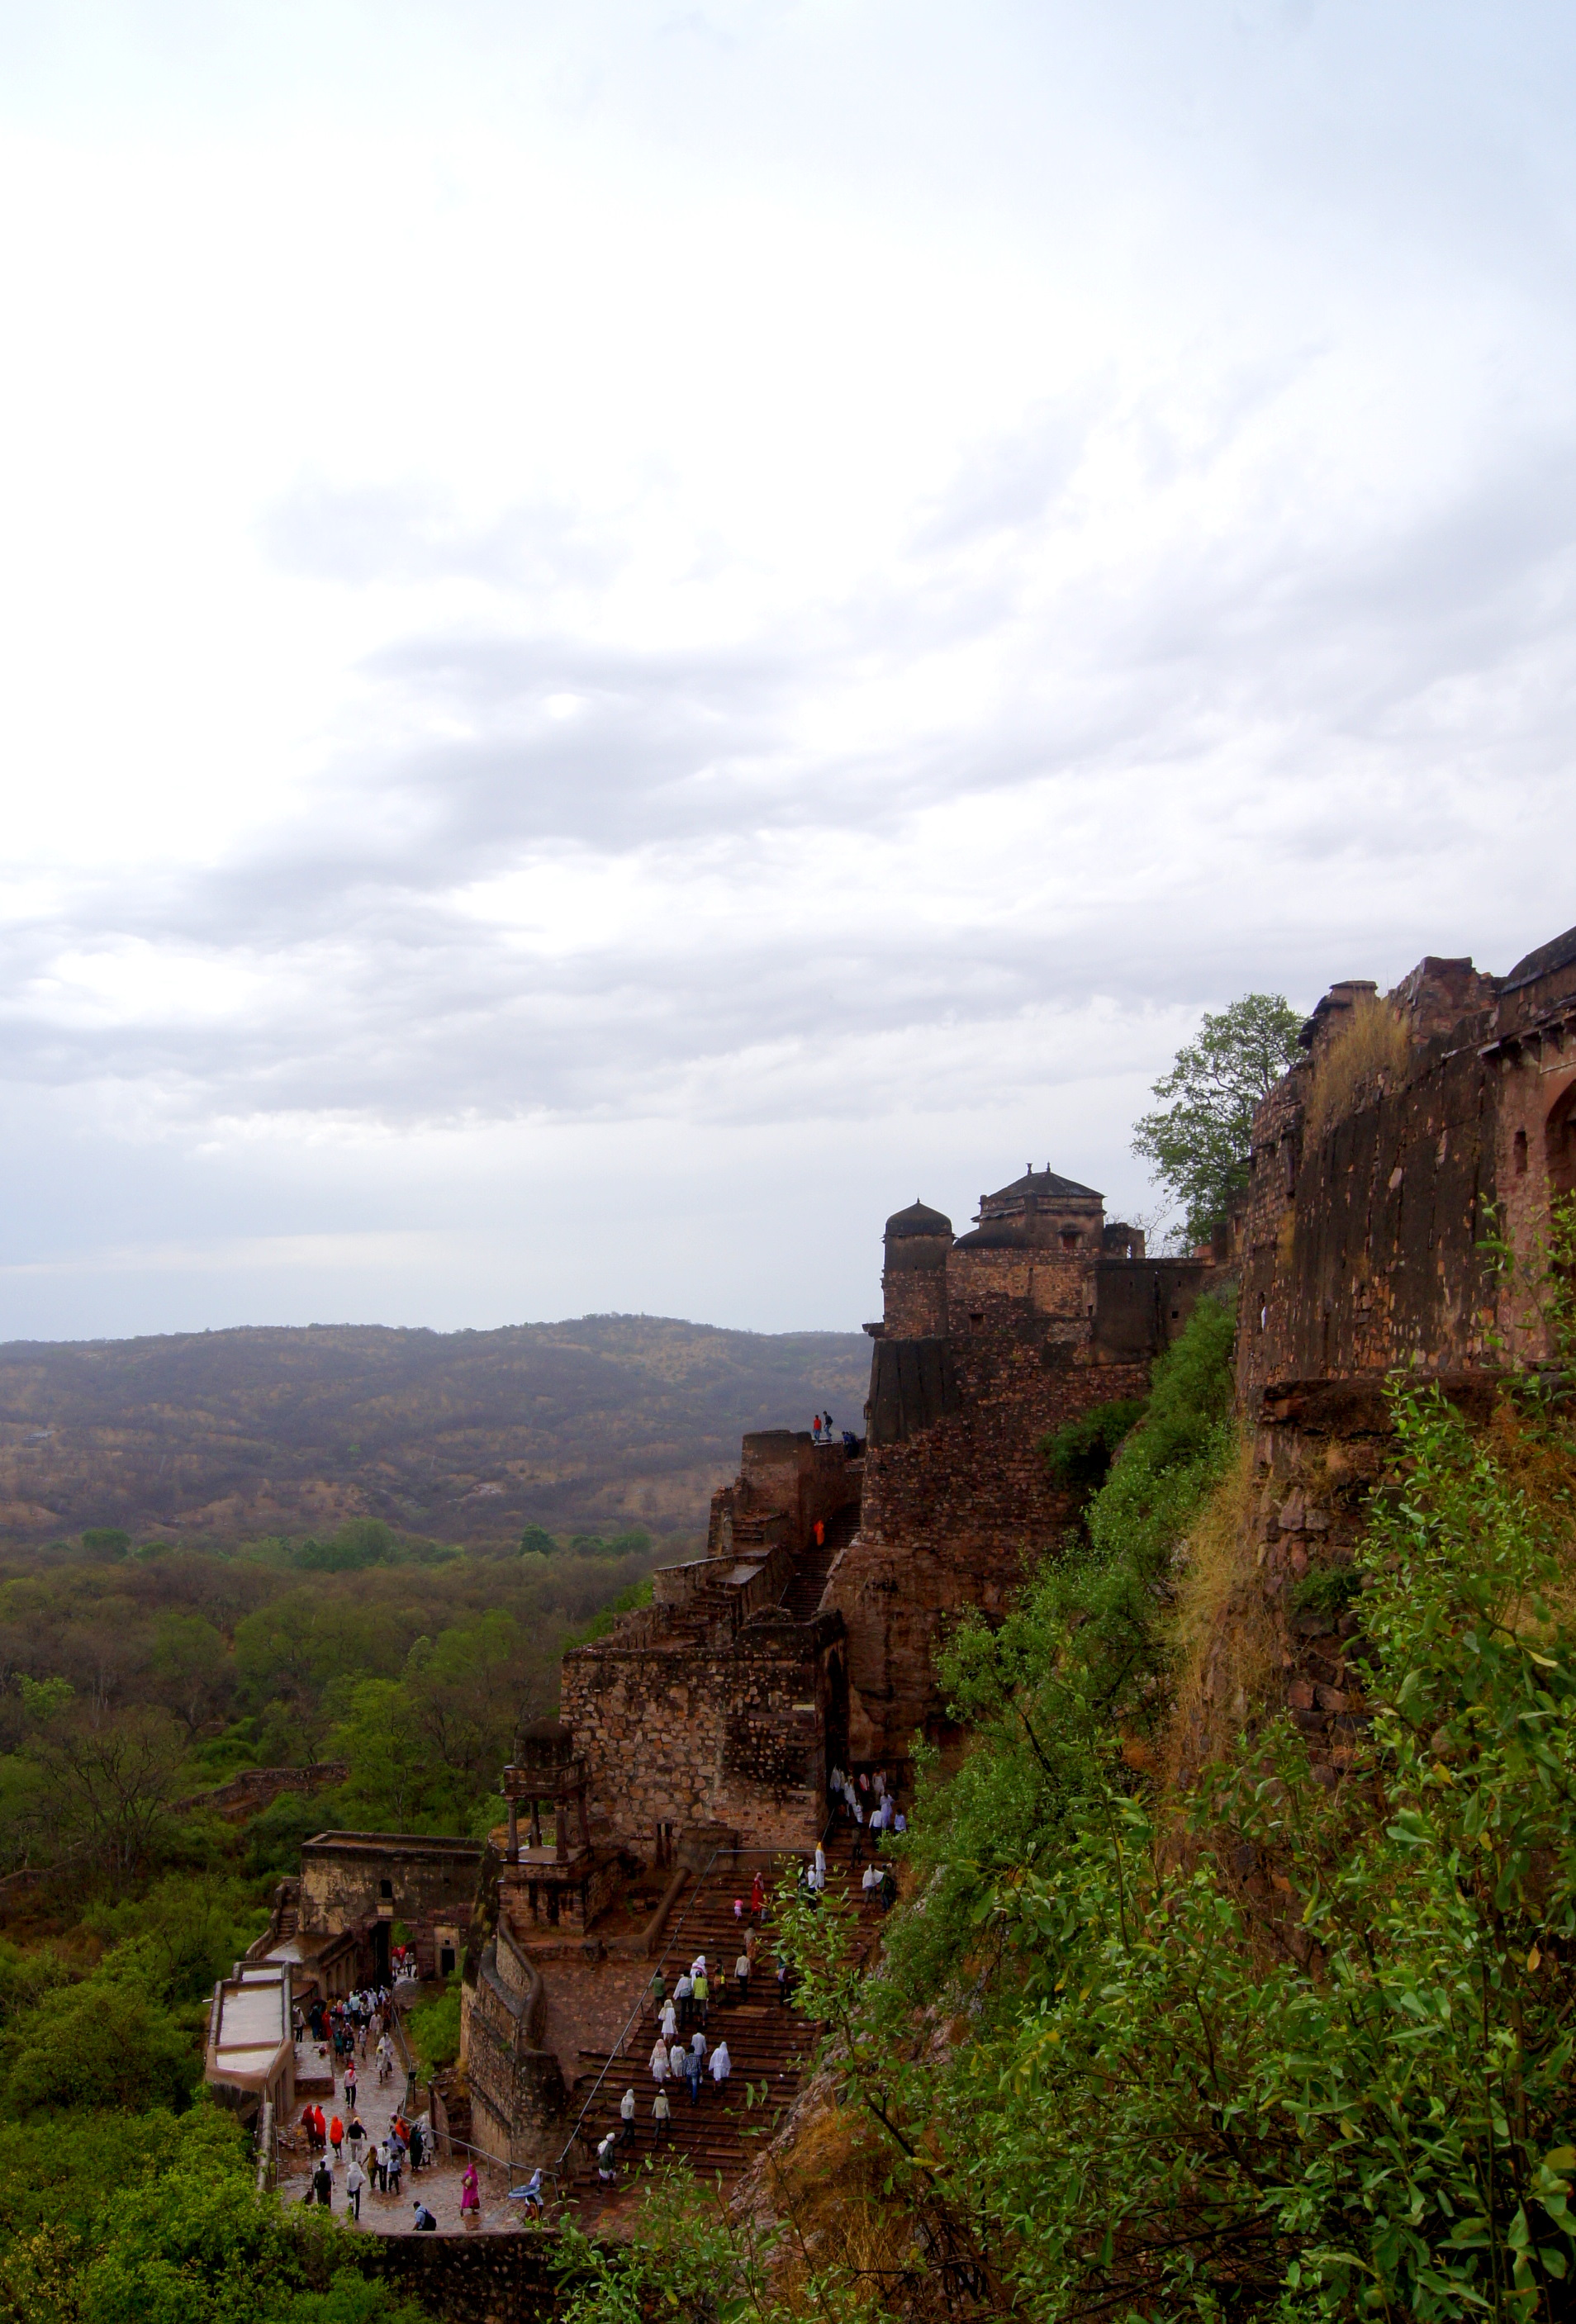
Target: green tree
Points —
{"points": [[1198, 1140]]}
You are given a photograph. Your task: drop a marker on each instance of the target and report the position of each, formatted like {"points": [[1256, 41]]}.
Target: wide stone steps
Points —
{"points": [[770, 2046]]}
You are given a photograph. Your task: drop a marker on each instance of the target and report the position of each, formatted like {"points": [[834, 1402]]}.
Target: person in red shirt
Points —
{"points": [[336, 2137]]}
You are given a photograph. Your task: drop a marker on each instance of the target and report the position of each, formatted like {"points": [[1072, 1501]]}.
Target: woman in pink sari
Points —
{"points": [[470, 2199]]}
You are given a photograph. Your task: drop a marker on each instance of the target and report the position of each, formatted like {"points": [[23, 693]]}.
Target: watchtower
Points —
{"points": [[545, 1768], [914, 1273]]}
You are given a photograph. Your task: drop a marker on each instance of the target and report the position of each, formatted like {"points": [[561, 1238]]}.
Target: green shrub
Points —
{"points": [[1081, 1453]]}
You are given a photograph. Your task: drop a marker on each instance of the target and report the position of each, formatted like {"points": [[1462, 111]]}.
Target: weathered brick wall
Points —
{"points": [[914, 1288], [432, 1883], [1362, 1250], [467, 2279], [682, 1736], [786, 1481], [952, 1512], [1048, 1280], [519, 2102]]}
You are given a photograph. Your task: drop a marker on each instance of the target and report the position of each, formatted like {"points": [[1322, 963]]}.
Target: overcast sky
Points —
{"points": [[633, 633]]}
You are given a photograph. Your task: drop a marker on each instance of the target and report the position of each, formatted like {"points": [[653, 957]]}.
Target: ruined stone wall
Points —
{"points": [[431, 1883], [914, 1302], [683, 1736], [1362, 1249], [980, 1281], [952, 1511], [782, 1470], [475, 2279], [519, 2102]]}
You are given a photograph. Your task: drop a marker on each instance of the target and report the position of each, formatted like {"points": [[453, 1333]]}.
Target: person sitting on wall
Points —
{"points": [[425, 2224]]}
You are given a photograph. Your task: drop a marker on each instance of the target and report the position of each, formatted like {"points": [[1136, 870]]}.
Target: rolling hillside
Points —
{"points": [[599, 1424]]}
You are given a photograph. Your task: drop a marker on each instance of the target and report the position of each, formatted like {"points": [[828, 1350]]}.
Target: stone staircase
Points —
{"points": [[770, 2046], [807, 1581]]}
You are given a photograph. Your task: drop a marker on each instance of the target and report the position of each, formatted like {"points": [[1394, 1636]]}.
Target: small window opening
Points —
{"points": [[386, 1888], [1263, 1314], [1520, 1151]]}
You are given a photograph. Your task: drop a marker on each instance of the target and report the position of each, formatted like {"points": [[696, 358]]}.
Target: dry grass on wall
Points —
{"points": [[1371, 1049], [1228, 1641], [826, 2186]]}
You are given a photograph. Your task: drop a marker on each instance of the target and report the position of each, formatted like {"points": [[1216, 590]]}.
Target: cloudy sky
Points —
{"points": [[633, 634]]}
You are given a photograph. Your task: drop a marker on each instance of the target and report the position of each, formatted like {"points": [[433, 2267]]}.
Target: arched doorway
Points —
{"points": [[1560, 1147]]}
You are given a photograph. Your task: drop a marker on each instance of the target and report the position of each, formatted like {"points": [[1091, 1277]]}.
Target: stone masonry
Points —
{"points": [[987, 1344]]}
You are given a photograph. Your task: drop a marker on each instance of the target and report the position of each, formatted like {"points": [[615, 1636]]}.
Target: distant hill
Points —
{"points": [[608, 1422]]}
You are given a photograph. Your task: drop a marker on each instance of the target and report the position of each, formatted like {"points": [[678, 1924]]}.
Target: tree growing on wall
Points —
{"points": [[1198, 1138]]}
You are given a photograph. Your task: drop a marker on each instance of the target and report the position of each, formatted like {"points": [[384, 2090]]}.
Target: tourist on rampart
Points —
{"points": [[354, 2181], [606, 2161], [698, 2046], [661, 2114], [658, 2060], [337, 2139], [856, 1857], [692, 2072], [785, 1977], [703, 1988], [741, 1975], [393, 2163], [626, 2114], [424, 2223], [683, 1995], [658, 1991], [758, 1896], [722, 2064], [668, 2021], [470, 2198], [418, 2147], [354, 2137], [322, 2186], [676, 2057], [350, 2087]]}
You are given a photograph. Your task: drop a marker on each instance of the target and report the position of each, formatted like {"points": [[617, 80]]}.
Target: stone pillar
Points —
{"points": [[535, 1822], [514, 1832]]}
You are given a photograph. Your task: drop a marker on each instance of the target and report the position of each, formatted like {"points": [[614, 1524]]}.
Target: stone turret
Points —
{"points": [[914, 1273]]}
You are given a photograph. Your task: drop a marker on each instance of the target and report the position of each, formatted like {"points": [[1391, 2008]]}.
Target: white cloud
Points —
{"points": [[710, 619]]}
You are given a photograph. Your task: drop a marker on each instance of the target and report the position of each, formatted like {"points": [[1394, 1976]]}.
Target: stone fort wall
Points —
{"points": [[732, 1735]]}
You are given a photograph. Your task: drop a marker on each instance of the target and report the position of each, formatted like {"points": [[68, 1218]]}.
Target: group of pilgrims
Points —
{"points": [[358, 2022], [681, 2051]]}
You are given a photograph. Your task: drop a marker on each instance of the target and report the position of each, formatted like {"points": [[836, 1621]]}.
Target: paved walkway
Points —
{"points": [[437, 2186]]}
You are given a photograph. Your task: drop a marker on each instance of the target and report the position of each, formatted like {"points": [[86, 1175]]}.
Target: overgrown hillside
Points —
{"points": [[469, 1435]]}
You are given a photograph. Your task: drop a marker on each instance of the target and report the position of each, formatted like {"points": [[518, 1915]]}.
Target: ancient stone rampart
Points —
{"points": [[1363, 1245]]}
